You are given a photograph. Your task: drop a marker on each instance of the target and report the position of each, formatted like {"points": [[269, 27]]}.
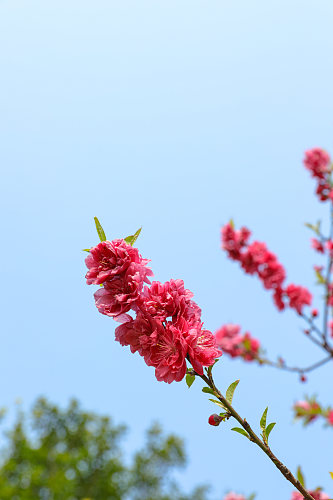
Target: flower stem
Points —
{"points": [[255, 439]]}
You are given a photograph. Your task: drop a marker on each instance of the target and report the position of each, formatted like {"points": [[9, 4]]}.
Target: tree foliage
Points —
{"points": [[71, 454]]}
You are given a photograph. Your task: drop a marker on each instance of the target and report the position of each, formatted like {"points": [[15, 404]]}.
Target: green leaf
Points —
{"points": [[252, 497], [232, 224], [100, 230], [241, 431], [189, 380], [132, 239], [300, 476], [218, 403], [86, 250], [263, 421], [320, 278], [230, 391], [310, 226], [208, 390], [269, 429], [331, 474]]}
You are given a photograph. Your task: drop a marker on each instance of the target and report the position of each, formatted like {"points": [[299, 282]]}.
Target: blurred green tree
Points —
{"points": [[76, 455]]}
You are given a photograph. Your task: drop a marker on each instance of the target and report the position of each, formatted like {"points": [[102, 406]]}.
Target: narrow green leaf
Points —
{"points": [[232, 224], [320, 278], [208, 390], [189, 380], [86, 250], [300, 476], [263, 421], [100, 230], [310, 226], [241, 431], [252, 497], [331, 474], [314, 227], [230, 391], [218, 403], [269, 429], [132, 238]]}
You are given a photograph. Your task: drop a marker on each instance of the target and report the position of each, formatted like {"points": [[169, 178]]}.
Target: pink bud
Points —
{"points": [[215, 419], [303, 378], [314, 312]]}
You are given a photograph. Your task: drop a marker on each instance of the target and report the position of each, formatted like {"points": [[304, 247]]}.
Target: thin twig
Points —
{"points": [[255, 439], [323, 343], [283, 366]]}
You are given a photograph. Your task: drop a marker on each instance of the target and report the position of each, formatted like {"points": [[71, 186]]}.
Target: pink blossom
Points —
{"points": [[298, 297], [317, 245], [324, 190], [234, 496], [250, 347], [228, 338], [307, 410], [165, 300], [258, 259], [255, 258], [162, 346], [120, 293], [111, 258], [278, 298], [317, 161], [329, 246], [234, 241], [316, 494], [330, 417], [202, 348], [167, 354], [139, 333]]}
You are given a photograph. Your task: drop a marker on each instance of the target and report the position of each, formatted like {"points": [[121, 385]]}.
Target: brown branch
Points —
{"points": [[255, 439], [283, 366], [320, 343]]}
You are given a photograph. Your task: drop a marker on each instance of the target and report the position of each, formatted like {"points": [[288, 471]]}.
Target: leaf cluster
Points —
{"points": [[71, 454]]}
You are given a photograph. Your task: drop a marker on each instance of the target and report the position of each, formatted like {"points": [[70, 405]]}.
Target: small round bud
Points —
{"points": [[306, 332], [215, 419], [303, 378], [314, 313]]}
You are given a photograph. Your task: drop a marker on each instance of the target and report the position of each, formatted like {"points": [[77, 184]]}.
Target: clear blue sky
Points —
{"points": [[174, 115]]}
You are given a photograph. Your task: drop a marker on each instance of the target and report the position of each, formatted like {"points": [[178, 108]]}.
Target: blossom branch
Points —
{"points": [[313, 328], [255, 439], [283, 366]]}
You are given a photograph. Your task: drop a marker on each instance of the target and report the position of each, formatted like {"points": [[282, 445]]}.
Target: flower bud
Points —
{"points": [[215, 419]]}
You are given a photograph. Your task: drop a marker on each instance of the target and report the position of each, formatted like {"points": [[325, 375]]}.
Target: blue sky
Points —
{"points": [[175, 116]]}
